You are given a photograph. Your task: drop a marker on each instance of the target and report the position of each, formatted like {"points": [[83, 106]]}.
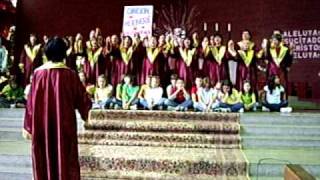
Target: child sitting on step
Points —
{"points": [[103, 94], [194, 93], [153, 95], [274, 96], [129, 93], [12, 95], [178, 97], [248, 97], [205, 97], [231, 100], [144, 88]]}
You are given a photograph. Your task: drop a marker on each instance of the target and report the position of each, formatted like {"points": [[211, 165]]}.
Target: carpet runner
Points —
{"points": [[161, 145]]}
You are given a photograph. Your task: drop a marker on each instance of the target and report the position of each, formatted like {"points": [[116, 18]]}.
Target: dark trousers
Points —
{"points": [[275, 107]]}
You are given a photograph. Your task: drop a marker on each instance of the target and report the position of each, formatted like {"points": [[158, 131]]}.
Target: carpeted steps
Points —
{"points": [[161, 145], [174, 162]]}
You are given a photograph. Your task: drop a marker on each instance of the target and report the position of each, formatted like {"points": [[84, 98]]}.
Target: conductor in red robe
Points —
{"points": [[50, 119]]}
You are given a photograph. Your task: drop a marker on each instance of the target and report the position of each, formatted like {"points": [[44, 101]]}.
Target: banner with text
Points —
{"points": [[306, 42], [137, 19]]}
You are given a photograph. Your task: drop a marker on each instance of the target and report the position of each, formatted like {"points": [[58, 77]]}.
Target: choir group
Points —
{"points": [[171, 72]]}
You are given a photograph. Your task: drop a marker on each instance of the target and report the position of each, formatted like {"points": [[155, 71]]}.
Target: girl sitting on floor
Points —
{"points": [[274, 96], [248, 97], [153, 95], [205, 97], [129, 93], [103, 94], [231, 100]]}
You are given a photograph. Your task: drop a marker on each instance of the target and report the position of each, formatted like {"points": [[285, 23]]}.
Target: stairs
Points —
{"points": [[15, 159], [292, 138], [15, 152], [271, 140], [161, 145]]}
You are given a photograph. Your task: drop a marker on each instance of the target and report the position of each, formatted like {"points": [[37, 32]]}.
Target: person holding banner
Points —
{"points": [[138, 57]]}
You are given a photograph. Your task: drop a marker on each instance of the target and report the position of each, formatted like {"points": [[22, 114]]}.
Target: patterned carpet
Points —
{"points": [[161, 145]]}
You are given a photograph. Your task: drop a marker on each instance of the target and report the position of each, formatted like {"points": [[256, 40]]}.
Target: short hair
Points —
{"points": [[174, 76], [55, 49], [277, 37]]}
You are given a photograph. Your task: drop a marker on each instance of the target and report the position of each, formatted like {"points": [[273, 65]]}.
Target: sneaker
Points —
{"points": [[116, 107], [217, 110], [241, 110], [286, 109], [170, 108], [13, 106], [265, 109], [134, 107], [225, 110], [111, 106]]}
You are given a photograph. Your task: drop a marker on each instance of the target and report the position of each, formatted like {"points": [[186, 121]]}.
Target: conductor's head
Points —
{"points": [[55, 49]]}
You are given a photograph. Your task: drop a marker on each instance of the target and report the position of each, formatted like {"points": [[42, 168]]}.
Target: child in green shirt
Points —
{"points": [[12, 95], [248, 97], [129, 93]]}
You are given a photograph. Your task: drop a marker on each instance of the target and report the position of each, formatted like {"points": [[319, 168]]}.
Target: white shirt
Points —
{"points": [[153, 95], [205, 95], [275, 96]]}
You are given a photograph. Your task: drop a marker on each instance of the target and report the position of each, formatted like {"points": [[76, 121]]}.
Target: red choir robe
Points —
{"points": [[30, 59], [152, 63], [94, 65], [121, 65], [218, 67], [206, 55], [279, 59], [79, 52], [165, 69], [187, 65], [246, 69], [137, 61], [50, 121]]}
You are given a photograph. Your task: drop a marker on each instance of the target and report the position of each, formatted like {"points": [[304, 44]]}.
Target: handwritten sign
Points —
{"points": [[137, 19], [306, 41]]}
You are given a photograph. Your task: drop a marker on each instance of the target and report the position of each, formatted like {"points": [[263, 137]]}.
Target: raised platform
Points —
{"points": [[291, 135], [162, 145]]}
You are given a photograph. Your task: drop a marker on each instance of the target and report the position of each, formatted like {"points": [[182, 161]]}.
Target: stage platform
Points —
{"points": [[268, 141]]}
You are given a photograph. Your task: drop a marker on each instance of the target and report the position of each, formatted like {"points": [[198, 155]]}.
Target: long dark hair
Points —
{"points": [[227, 83], [36, 42], [271, 83], [250, 90]]}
